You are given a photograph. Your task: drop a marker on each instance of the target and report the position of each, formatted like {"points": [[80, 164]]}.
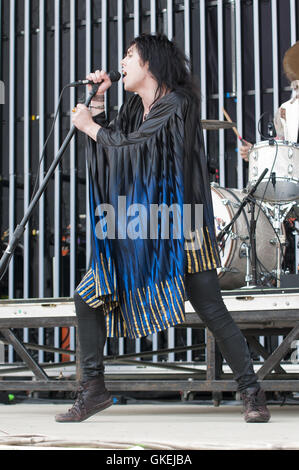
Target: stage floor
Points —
{"points": [[148, 426]]}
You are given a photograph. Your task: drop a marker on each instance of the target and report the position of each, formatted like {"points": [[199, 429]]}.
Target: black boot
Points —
{"points": [[255, 405], [92, 397]]}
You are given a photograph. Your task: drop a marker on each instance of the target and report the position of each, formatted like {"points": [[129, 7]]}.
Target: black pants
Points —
{"points": [[205, 296]]}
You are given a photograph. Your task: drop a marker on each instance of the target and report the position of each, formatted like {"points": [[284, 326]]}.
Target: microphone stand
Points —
{"points": [[4, 261], [225, 230]]}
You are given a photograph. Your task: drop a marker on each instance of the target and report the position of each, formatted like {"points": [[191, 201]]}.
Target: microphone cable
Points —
{"points": [[273, 142], [114, 77], [42, 156], [47, 140]]}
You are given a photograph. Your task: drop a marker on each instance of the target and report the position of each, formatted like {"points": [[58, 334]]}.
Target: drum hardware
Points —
{"points": [[251, 278], [229, 270], [245, 247], [246, 199], [252, 248], [235, 245], [274, 241], [280, 241], [233, 250], [225, 202], [243, 237], [243, 250], [279, 258], [273, 179], [277, 215]]}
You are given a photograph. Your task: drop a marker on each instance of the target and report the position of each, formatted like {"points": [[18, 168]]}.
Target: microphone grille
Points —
{"points": [[114, 76]]}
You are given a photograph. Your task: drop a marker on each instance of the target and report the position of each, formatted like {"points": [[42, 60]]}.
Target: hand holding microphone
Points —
{"points": [[99, 76], [102, 77], [82, 118]]}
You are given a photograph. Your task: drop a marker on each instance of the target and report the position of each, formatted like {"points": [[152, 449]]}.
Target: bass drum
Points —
{"points": [[232, 252]]}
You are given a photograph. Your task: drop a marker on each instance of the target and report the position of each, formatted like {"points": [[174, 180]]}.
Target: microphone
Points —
{"points": [[113, 75], [271, 132]]}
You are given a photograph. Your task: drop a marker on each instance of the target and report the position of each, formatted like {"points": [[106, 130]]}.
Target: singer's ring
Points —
{"points": [[74, 110]]}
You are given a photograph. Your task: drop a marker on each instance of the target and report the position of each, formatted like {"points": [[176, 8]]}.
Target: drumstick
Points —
{"points": [[233, 128]]}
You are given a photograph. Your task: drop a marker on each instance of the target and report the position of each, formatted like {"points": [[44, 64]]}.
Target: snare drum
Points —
{"points": [[231, 249], [280, 184]]}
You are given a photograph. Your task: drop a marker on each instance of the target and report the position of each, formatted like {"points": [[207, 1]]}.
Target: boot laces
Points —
{"points": [[252, 403], [79, 404]]}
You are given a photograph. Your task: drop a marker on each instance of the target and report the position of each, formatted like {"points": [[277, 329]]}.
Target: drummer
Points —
{"points": [[286, 119]]}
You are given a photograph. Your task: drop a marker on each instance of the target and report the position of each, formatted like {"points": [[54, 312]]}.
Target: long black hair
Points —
{"points": [[168, 65]]}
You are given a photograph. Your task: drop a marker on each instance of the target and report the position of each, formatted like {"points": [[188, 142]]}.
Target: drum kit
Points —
{"points": [[250, 222]]}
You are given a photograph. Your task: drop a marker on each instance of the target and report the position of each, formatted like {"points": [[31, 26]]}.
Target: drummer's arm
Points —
{"points": [[279, 118], [246, 146], [244, 149]]}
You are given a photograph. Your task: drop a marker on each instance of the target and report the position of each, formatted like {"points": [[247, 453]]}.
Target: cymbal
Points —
{"points": [[213, 125]]}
